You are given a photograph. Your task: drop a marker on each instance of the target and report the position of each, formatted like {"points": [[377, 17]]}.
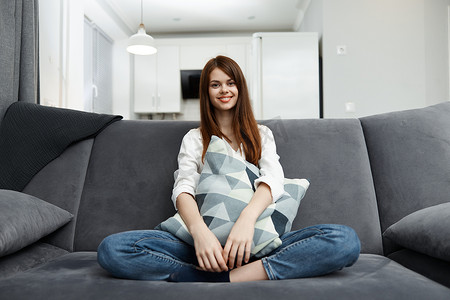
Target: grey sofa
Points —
{"points": [[367, 173]]}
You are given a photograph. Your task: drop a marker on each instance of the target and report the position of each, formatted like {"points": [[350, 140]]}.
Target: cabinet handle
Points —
{"points": [[95, 90], [94, 96]]}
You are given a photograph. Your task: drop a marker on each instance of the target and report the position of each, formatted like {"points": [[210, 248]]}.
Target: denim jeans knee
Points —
{"points": [[144, 254], [313, 251], [106, 255], [350, 245]]}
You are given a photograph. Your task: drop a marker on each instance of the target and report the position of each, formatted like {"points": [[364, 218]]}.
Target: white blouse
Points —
{"points": [[190, 164]]}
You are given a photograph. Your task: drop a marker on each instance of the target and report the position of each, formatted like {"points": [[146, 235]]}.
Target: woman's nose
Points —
{"points": [[224, 88]]}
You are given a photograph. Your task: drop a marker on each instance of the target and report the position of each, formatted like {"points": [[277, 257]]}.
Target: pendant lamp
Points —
{"points": [[141, 43]]}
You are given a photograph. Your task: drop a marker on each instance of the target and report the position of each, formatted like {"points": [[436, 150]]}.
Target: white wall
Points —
{"points": [[384, 66], [313, 20], [397, 54], [122, 94], [436, 51]]}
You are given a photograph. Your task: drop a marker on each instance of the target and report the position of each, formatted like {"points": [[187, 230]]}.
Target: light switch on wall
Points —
{"points": [[350, 107]]}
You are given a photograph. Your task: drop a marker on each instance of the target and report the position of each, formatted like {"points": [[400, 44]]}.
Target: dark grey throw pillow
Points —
{"points": [[24, 219], [426, 231]]}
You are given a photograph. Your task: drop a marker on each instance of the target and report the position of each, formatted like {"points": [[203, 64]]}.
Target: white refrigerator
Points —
{"points": [[285, 75]]}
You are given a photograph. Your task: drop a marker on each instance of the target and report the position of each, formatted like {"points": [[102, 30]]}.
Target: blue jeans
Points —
{"points": [[154, 254]]}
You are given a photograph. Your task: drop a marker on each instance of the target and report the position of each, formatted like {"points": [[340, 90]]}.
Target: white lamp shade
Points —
{"points": [[141, 43]]}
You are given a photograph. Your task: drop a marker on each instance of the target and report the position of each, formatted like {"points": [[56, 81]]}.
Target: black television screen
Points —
{"points": [[190, 82]]}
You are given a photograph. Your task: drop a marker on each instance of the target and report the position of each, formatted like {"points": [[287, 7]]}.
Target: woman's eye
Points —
{"points": [[214, 85], [231, 83]]}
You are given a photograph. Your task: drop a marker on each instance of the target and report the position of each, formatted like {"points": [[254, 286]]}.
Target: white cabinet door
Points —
{"points": [[145, 90], [169, 82], [157, 86]]}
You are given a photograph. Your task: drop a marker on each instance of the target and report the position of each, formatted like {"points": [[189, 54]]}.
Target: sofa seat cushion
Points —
{"points": [[433, 268], [78, 276], [29, 257]]}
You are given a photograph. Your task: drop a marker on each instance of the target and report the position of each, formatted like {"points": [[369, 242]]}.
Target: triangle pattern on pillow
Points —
{"points": [[216, 223], [232, 181], [218, 211], [236, 183], [262, 235], [216, 162]]}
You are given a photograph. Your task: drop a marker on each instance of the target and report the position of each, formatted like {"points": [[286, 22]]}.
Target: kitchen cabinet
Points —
{"points": [[157, 87]]}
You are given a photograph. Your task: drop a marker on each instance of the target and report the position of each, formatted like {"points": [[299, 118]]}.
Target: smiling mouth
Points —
{"points": [[225, 99]]}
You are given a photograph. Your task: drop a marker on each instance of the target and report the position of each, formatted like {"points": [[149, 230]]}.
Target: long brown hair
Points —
{"points": [[245, 128]]}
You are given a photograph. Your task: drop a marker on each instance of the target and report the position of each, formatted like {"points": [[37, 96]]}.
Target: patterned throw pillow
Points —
{"points": [[225, 187]]}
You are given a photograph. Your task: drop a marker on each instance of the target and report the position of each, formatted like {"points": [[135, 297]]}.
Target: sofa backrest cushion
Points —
{"points": [[130, 177], [410, 158], [332, 155], [61, 183]]}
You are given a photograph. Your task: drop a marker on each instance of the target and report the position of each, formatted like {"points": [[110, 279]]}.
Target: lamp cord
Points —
{"points": [[142, 10]]}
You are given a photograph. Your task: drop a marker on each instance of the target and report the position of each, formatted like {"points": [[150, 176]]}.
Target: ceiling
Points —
{"points": [[177, 17]]}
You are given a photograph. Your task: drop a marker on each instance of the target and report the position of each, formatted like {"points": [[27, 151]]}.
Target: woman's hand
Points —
{"points": [[208, 250], [239, 243], [207, 247]]}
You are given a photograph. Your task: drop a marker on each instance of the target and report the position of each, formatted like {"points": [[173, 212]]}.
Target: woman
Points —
{"points": [[157, 255]]}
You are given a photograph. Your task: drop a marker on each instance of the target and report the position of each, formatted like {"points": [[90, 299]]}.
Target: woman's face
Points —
{"points": [[223, 92]]}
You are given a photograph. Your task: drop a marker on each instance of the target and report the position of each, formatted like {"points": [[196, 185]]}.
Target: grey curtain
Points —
{"points": [[19, 52]]}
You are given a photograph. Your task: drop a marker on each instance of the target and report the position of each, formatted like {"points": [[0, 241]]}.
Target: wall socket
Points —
{"points": [[341, 50]]}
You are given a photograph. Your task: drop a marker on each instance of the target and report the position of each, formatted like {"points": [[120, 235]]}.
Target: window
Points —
{"points": [[97, 69]]}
